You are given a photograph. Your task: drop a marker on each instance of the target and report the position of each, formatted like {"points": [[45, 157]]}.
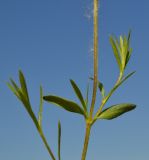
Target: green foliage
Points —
{"points": [[40, 107], [87, 94], [116, 111], [22, 94], [59, 140], [122, 50], [78, 94], [118, 84], [101, 87], [122, 53], [65, 104]]}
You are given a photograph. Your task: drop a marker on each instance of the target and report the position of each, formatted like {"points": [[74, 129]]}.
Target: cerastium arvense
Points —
{"points": [[122, 52]]}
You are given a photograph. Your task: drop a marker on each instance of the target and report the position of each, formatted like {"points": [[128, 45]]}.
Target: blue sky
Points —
{"points": [[51, 42]]}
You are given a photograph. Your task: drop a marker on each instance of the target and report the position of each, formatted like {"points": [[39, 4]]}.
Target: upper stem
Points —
{"points": [[95, 34], [95, 83]]}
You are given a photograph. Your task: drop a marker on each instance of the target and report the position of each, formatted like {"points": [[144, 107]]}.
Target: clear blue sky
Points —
{"points": [[51, 42]]}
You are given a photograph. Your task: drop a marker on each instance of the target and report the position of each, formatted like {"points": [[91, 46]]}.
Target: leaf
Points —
{"points": [[23, 85], [40, 107], [59, 140], [125, 78], [129, 49], [121, 45], [116, 111], [64, 103], [78, 94], [19, 92], [129, 36], [28, 107], [11, 87], [122, 81], [101, 88], [87, 93], [115, 51]]}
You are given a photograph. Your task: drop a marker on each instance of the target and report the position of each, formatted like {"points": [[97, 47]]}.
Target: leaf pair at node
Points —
{"points": [[68, 104], [22, 94]]}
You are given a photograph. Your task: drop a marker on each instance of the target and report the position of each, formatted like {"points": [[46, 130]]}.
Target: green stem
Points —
{"points": [[95, 83], [86, 141], [107, 97], [40, 131], [46, 144]]}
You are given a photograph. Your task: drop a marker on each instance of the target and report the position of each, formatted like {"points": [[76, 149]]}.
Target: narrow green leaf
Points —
{"points": [[27, 106], [59, 140], [116, 111], [23, 84], [115, 51], [101, 88], [122, 81], [125, 78], [129, 49], [40, 107], [125, 47], [121, 43], [129, 36], [117, 43], [13, 90], [128, 56], [78, 94], [65, 104], [15, 85], [87, 94]]}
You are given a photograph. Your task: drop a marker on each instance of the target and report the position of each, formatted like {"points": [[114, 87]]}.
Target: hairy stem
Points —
{"points": [[86, 141], [95, 83]]}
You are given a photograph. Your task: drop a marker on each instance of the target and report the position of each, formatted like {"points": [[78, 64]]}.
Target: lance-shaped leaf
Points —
{"points": [[87, 94], [59, 140], [101, 88], [116, 51], [78, 94], [40, 107], [126, 77], [116, 110], [65, 104], [22, 95], [121, 82], [14, 88], [128, 38], [23, 85]]}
